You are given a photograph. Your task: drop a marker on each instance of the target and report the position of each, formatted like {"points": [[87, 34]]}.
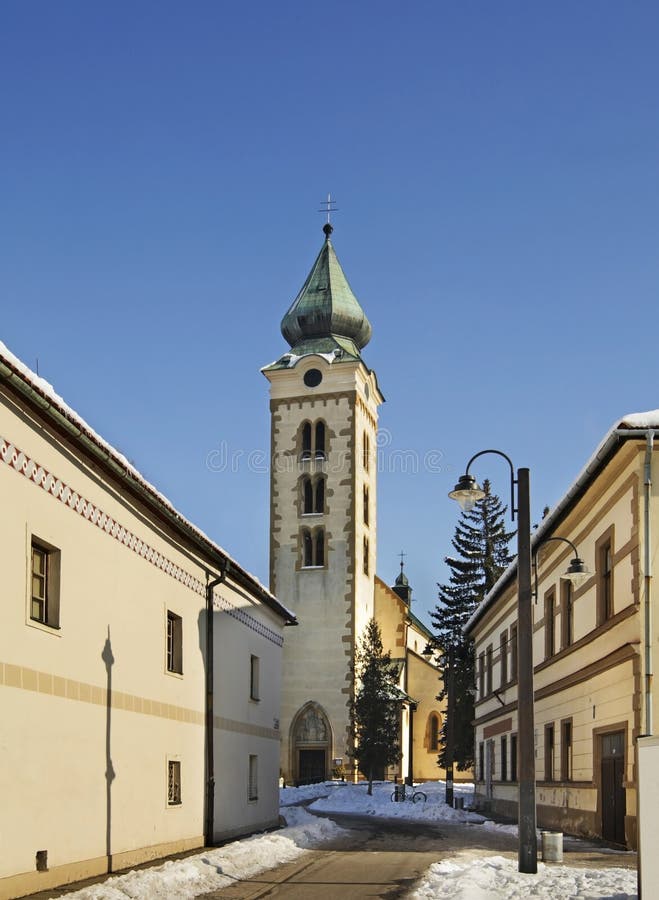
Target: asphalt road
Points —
{"points": [[384, 858]]}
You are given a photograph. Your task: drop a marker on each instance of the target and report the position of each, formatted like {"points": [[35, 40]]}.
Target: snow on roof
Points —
{"points": [[620, 430], [48, 392]]}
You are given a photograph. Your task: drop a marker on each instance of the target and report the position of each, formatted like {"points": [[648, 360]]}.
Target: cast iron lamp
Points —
{"points": [[468, 492]]}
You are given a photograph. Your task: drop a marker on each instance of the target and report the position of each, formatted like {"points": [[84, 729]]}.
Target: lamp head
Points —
{"points": [[467, 492], [577, 572]]}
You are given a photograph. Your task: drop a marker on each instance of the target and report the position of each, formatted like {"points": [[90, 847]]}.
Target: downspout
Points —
{"points": [[648, 583], [209, 823]]}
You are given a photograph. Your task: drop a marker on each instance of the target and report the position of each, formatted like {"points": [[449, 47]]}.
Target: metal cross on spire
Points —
{"points": [[402, 559], [329, 207]]}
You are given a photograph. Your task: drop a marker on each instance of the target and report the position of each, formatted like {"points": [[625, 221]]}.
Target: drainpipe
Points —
{"points": [[648, 584], [209, 823]]}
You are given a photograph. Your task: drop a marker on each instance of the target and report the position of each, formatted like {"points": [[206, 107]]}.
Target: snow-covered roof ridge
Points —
{"points": [[48, 393], [630, 425]]}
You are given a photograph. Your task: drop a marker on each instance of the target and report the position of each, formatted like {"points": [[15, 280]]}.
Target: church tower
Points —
{"points": [[324, 409]]}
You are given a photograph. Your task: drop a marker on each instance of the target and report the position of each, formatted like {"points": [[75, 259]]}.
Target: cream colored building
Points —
{"points": [[324, 404], [406, 638], [592, 649], [113, 751]]}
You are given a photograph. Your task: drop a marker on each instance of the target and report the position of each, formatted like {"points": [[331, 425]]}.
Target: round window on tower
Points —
{"points": [[313, 377]]}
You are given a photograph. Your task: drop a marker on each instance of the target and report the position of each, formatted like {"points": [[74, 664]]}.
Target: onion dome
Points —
{"points": [[326, 317]]}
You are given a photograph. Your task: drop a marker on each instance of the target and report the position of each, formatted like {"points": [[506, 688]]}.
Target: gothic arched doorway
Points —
{"points": [[310, 744]]}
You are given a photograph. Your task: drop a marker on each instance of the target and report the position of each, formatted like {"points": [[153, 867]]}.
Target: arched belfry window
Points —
{"points": [[320, 440], [312, 495], [307, 548], [313, 547], [306, 441], [307, 495], [320, 546], [313, 440]]}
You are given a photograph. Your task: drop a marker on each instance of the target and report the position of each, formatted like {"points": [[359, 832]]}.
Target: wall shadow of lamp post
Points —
{"points": [[468, 492], [108, 658], [448, 672]]}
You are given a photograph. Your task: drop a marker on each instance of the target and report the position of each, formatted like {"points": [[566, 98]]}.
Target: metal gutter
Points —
{"points": [[648, 582]]}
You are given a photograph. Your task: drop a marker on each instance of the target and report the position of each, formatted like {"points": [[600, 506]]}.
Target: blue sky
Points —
{"points": [[496, 169]]}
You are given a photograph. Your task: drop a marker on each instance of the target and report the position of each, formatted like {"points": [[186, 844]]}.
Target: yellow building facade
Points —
{"points": [[592, 649]]}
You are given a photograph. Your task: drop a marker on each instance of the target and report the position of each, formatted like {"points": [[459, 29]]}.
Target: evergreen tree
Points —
{"points": [[376, 707], [481, 542]]}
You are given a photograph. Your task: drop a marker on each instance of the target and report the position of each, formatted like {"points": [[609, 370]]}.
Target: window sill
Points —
{"points": [[312, 515], [174, 674], [311, 568], [55, 630]]}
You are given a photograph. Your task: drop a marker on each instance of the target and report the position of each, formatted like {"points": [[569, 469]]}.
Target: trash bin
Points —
{"points": [[552, 846], [458, 802]]}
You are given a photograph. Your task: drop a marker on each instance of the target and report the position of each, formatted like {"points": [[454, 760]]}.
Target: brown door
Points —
{"points": [[613, 791], [312, 766]]}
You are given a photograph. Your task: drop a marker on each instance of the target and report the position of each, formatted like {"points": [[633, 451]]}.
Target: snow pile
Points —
{"points": [[494, 877], [355, 799], [289, 795], [213, 869]]}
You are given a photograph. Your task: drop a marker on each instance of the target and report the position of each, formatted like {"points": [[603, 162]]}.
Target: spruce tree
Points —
{"points": [[482, 544], [376, 707]]}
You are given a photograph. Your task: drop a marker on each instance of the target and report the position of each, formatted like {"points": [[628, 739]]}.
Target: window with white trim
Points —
{"points": [[253, 778], [44, 583], [174, 643], [174, 782], [254, 665]]}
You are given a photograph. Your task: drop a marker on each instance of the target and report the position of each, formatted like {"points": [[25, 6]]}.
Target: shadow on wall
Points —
{"points": [[110, 774]]}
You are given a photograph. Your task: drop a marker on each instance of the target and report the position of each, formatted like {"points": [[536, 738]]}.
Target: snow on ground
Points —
{"points": [[464, 876], [348, 798], [183, 879], [493, 877]]}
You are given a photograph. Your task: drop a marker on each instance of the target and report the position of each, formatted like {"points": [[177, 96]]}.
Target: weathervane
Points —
{"points": [[329, 207]]}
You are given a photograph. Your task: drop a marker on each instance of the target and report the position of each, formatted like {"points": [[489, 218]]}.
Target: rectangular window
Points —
{"points": [[481, 761], [488, 669], [504, 658], [173, 782], [513, 757], [366, 451], [566, 750], [550, 647], [366, 550], [481, 675], [365, 505], [549, 752], [504, 758], [44, 589], [174, 643], [567, 614], [513, 652], [254, 678], [253, 785], [604, 581]]}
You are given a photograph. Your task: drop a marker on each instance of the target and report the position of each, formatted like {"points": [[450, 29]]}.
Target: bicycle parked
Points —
{"points": [[401, 793]]}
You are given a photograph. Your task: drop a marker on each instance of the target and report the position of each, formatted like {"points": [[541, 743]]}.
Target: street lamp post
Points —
{"points": [[450, 728], [467, 492]]}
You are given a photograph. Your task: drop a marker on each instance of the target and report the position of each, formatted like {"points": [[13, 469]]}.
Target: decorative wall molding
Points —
{"points": [[18, 460]]}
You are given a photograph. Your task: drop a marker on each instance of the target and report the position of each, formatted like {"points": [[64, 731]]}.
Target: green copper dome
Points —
{"points": [[326, 315]]}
